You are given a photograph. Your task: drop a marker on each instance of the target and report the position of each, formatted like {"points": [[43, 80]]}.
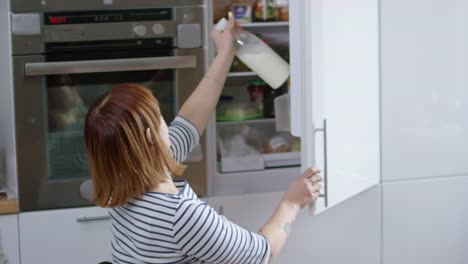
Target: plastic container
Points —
{"points": [[235, 148], [256, 91], [255, 146], [242, 10], [228, 111], [282, 113], [282, 10], [265, 11], [259, 57], [269, 101]]}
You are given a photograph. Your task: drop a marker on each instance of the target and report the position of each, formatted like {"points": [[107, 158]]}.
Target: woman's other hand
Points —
{"points": [[302, 191], [225, 40], [305, 189]]}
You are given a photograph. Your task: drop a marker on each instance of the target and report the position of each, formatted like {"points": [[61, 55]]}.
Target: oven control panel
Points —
{"points": [[93, 17], [116, 29]]}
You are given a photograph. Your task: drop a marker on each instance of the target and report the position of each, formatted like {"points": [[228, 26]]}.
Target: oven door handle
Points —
{"points": [[114, 65]]}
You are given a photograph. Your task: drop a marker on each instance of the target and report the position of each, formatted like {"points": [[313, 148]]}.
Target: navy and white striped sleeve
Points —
{"points": [[184, 137], [202, 233]]}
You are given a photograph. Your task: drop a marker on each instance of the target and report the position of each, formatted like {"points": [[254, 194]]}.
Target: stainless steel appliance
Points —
{"points": [[68, 53]]}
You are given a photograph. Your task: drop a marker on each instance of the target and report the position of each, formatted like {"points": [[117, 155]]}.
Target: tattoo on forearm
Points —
{"points": [[287, 227]]}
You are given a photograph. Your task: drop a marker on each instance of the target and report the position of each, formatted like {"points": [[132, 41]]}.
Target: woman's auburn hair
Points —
{"points": [[122, 162]]}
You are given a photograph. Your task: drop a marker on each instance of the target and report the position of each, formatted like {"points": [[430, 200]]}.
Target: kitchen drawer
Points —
{"points": [[79, 236]]}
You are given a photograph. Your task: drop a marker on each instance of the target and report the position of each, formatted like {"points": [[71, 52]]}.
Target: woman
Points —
{"points": [[133, 156]]}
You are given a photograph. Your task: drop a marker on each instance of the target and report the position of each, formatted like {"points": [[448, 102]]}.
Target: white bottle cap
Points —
{"points": [[222, 24]]}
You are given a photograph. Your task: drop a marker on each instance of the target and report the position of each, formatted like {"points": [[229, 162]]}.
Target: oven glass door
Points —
{"points": [[52, 118], [69, 96]]}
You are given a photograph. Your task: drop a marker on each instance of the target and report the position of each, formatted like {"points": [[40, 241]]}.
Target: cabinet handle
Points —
{"points": [[86, 219], [325, 162]]}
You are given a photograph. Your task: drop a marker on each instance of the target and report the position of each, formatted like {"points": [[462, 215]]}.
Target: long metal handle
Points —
{"points": [[86, 219], [115, 65], [325, 162]]}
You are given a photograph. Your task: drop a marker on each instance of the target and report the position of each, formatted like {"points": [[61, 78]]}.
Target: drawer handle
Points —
{"points": [[86, 219]]}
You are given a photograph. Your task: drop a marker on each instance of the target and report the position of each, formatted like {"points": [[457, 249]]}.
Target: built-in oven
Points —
{"points": [[64, 60]]}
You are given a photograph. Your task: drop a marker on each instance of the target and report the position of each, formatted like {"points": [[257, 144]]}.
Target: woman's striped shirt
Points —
{"points": [[179, 228]]}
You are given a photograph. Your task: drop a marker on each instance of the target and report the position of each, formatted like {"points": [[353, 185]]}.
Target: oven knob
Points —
{"points": [[140, 30], [159, 29]]}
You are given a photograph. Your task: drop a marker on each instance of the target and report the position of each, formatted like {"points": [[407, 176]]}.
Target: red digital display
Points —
{"points": [[57, 20]]}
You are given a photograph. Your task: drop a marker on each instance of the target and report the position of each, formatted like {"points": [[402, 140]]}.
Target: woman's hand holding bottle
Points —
{"points": [[225, 40], [199, 107]]}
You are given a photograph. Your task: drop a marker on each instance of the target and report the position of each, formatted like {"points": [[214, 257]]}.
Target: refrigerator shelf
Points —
{"points": [[259, 162], [265, 24], [249, 121]]}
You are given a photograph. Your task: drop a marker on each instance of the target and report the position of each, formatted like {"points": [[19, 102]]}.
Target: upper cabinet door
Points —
{"points": [[425, 65], [335, 95]]}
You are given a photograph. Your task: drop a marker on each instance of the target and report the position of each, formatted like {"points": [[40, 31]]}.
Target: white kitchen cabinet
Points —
{"points": [[350, 233], [425, 221], [250, 211], [81, 235], [424, 93], [335, 93], [9, 244]]}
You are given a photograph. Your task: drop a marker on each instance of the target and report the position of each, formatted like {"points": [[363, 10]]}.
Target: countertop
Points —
{"points": [[9, 207]]}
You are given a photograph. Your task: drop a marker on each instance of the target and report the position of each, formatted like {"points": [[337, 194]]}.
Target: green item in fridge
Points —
{"points": [[237, 112]]}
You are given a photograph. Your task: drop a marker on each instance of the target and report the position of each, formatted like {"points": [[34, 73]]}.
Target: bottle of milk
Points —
{"points": [[259, 57]]}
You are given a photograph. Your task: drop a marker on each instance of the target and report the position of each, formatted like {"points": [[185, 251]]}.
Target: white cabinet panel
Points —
{"points": [[424, 88], [426, 221], [9, 244], [347, 233], [249, 211], [65, 236]]}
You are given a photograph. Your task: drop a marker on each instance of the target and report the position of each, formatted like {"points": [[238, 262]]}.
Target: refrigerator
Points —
{"points": [[332, 104]]}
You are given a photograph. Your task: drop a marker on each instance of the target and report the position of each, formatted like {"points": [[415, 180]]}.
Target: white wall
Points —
{"points": [[424, 131]]}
